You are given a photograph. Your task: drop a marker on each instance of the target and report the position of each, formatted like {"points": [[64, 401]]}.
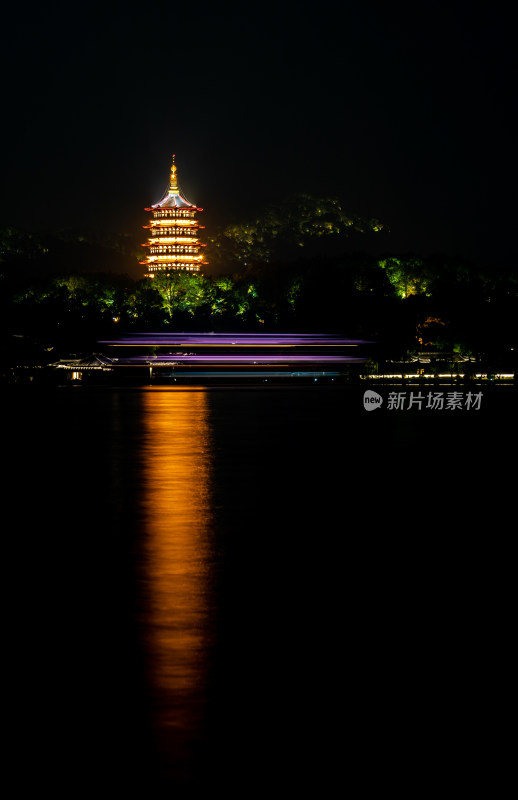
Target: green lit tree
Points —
{"points": [[408, 276], [181, 291]]}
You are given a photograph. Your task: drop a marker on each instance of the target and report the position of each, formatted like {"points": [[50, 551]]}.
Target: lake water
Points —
{"points": [[247, 588]]}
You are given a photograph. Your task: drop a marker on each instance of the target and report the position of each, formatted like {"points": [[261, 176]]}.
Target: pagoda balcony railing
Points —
{"points": [[179, 250], [180, 258], [173, 232]]}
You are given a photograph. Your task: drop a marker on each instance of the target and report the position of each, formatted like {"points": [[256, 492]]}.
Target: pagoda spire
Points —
{"points": [[173, 183]]}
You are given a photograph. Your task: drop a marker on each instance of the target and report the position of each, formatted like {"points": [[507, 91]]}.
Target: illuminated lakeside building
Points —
{"points": [[173, 233]]}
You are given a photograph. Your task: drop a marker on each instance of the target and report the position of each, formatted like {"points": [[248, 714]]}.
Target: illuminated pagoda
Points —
{"points": [[173, 233]]}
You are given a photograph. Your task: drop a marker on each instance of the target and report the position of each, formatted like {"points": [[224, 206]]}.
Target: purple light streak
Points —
{"points": [[241, 359], [237, 349], [252, 339]]}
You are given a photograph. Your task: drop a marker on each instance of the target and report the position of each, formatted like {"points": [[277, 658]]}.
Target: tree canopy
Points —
{"points": [[280, 230]]}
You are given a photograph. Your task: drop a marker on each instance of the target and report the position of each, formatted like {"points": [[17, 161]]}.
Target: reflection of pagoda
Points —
{"points": [[173, 233]]}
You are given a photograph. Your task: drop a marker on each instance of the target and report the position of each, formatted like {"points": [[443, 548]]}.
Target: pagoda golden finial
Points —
{"points": [[173, 184]]}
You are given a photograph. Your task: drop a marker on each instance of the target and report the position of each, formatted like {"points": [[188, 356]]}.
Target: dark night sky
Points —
{"points": [[405, 112]]}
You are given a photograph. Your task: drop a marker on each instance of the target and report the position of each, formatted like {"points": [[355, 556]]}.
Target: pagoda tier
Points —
{"points": [[173, 233]]}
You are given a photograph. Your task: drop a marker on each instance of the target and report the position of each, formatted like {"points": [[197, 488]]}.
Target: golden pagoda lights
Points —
{"points": [[173, 233]]}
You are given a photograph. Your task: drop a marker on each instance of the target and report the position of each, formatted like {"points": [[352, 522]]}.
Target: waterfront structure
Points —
{"points": [[173, 233]]}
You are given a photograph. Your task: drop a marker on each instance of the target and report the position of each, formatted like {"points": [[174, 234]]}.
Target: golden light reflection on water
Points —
{"points": [[176, 559]]}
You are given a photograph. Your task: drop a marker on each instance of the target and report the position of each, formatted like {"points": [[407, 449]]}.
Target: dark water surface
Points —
{"points": [[248, 589]]}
